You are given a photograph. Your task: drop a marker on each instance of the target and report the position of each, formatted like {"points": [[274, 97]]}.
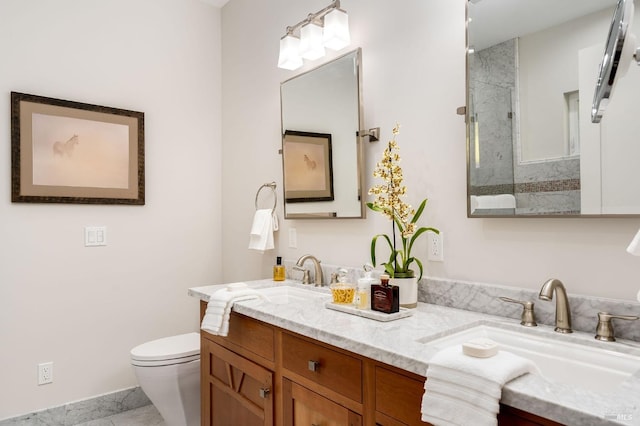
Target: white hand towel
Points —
{"points": [[467, 390], [216, 317], [452, 389], [445, 411], [264, 223]]}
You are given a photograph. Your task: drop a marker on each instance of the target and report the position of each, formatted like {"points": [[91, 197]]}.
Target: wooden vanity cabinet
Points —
{"points": [[237, 382], [263, 375]]}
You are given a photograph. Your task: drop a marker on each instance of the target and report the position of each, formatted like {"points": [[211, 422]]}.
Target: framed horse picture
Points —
{"points": [[72, 152]]}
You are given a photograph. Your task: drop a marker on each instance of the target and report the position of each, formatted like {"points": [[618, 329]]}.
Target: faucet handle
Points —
{"points": [[305, 274], [604, 329], [528, 318]]}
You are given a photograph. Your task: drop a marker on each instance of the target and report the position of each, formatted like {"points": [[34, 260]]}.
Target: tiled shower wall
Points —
{"points": [[543, 187]]}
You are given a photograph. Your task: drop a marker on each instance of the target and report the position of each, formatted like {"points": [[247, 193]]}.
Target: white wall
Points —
{"points": [[548, 68], [414, 73], [85, 308]]}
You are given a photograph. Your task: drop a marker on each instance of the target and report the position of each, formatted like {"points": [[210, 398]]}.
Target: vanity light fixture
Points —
{"points": [[634, 246], [311, 46], [289, 57], [327, 28]]}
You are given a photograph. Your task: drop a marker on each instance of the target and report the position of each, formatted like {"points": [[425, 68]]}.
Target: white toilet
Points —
{"points": [[168, 371]]}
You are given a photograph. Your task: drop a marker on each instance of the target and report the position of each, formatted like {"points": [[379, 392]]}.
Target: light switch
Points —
{"points": [[95, 236], [293, 238]]}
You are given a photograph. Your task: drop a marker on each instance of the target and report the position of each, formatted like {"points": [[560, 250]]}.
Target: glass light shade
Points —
{"points": [[634, 247], [336, 30], [311, 46], [289, 58]]}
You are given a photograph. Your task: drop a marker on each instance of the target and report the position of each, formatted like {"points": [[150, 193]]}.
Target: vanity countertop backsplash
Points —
{"points": [[454, 306]]}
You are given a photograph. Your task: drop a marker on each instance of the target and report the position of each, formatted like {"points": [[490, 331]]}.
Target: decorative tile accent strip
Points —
{"points": [[526, 187], [483, 298], [548, 186], [83, 411], [507, 188]]}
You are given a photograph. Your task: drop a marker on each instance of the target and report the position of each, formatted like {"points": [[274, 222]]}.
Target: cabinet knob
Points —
{"points": [[313, 365], [264, 392]]}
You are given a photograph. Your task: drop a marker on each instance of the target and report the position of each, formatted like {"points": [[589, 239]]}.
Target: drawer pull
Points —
{"points": [[264, 392], [313, 365]]}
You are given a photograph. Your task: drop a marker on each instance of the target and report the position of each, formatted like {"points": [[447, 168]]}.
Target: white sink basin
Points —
{"points": [[588, 367], [285, 294]]}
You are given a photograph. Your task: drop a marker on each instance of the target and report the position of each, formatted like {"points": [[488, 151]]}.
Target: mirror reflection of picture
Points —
{"points": [[308, 167]]}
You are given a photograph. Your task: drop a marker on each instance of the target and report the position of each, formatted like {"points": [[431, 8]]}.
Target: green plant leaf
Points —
{"points": [[419, 232], [375, 207], [419, 211], [373, 247], [388, 267], [419, 267]]}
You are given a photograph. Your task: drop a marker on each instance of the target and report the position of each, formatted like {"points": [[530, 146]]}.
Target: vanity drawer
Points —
{"points": [[334, 370]]}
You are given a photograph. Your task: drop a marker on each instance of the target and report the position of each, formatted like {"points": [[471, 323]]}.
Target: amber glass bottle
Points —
{"points": [[385, 297], [278, 270]]}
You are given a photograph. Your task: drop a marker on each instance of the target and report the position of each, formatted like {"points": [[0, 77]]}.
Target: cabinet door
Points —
{"points": [[235, 391], [303, 407], [398, 398]]}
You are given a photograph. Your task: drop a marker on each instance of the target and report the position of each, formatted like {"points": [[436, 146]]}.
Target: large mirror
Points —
{"points": [[321, 149], [532, 69]]}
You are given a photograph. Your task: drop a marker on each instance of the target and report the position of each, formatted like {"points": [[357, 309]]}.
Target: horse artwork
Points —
{"points": [[65, 148]]}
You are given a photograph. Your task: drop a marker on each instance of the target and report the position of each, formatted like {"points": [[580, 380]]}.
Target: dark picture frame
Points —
{"points": [[71, 152], [308, 167]]}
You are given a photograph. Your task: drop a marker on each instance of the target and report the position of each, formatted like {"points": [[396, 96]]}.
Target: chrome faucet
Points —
{"points": [[317, 277], [563, 311]]}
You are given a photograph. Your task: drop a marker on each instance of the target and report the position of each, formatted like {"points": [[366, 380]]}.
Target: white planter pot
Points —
{"points": [[408, 291]]}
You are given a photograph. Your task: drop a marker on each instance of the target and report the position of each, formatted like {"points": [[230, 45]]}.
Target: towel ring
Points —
{"points": [[271, 185]]}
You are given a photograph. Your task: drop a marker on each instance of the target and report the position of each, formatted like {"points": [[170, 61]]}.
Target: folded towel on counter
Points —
{"points": [[265, 222], [216, 317], [463, 390]]}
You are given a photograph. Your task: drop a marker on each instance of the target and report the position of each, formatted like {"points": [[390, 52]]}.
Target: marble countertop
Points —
{"points": [[398, 343]]}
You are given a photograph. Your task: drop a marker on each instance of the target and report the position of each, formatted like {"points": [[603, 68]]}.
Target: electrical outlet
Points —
{"points": [[45, 373], [435, 251]]}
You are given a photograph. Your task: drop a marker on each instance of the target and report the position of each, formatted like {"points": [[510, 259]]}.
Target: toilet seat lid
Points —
{"points": [[168, 348]]}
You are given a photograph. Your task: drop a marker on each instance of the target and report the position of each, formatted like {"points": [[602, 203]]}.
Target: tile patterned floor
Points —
{"points": [[143, 416]]}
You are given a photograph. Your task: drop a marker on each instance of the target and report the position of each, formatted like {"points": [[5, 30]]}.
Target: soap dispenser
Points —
{"points": [[363, 292], [278, 270]]}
